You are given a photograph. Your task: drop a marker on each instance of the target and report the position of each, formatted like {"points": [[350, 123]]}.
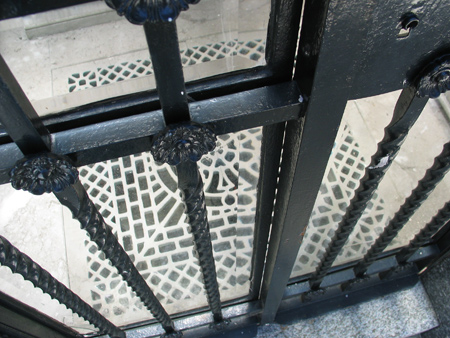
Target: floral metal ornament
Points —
{"points": [[141, 11], [183, 142], [436, 78], [182, 145], [43, 173]]}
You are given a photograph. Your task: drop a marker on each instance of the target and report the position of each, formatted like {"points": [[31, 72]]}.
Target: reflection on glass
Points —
{"points": [[140, 200], [86, 53], [34, 225], [362, 127]]}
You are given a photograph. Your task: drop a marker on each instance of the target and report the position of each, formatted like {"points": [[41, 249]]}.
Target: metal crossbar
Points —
{"points": [[300, 115]]}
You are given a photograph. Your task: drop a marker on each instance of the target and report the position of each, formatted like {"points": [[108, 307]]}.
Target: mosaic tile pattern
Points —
{"points": [[140, 200], [253, 50]]}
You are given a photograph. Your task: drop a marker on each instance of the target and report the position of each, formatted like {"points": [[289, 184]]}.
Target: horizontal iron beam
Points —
{"points": [[128, 135], [16, 8], [138, 103], [23, 317]]}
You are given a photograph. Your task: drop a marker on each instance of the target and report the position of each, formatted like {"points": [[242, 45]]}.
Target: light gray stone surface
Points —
{"points": [[436, 282], [402, 314]]}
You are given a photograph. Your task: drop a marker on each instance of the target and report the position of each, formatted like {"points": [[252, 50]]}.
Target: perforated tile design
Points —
{"points": [[345, 168], [139, 199], [253, 50]]}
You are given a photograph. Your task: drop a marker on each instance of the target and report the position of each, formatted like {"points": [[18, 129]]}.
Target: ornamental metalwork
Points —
{"points": [[20, 263], [436, 78], [182, 145], [49, 170], [43, 173], [141, 11]]}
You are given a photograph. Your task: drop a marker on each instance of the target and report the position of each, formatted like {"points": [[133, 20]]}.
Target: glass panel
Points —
{"points": [[86, 53], [34, 225], [362, 127], [140, 200]]}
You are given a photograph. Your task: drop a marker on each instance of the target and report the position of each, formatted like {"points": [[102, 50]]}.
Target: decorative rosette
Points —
{"points": [[183, 142], [141, 11], [436, 78], [43, 173]]}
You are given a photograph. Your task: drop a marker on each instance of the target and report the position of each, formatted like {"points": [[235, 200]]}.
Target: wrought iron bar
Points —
{"points": [[44, 173], [406, 112], [140, 12], [162, 40], [425, 186], [431, 82], [18, 115], [22, 264], [182, 145], [425, 234]]}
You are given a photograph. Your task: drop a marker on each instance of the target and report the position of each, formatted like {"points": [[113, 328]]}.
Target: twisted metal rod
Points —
{"points": [[100, 233], [22, 264], [191, 185], [182, 145], [425, 234], [394, 134], [44, 173], [425, 186]]}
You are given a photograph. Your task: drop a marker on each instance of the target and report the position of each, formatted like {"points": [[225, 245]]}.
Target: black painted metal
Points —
{"points": [[308, 141], [425, 186], [182, 145], [20, 263], [436, 79], [27, 318], [48, 172], [245, 314], [271, 144], [45, 173], [194, 199], [389, 60], [406, 112], [139, 12], [83, 209], [343, 50], [16, 8], [162, 41], [282, 37], [18, 116], [424, 236], [229, 113], [281, 45]]}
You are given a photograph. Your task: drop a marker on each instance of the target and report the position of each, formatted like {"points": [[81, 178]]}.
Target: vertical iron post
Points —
{"points": [[18, 115], [425, 234], [43, 172], [433, 80], [162, 40], [20, 263], [47, 172], [309, 140], [282, 35], [425, 186], [406, 112], [182, 145], [178, 141]]}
